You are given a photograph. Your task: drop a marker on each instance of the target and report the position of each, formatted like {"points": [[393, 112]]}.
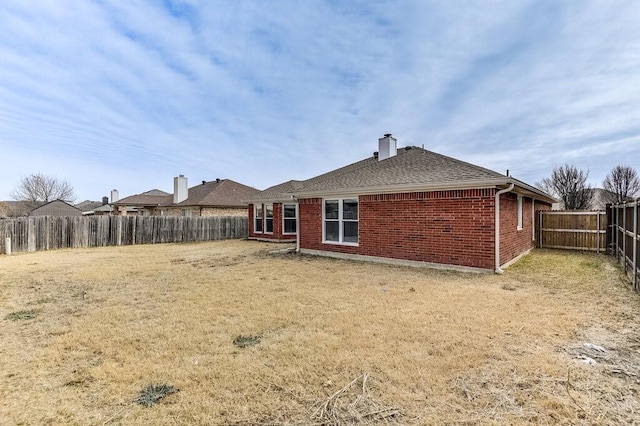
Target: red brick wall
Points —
{"points": [[513, 242], [448, 227], [277, 225]]}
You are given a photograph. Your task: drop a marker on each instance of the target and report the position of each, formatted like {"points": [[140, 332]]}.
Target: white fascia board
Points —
{"points": [[393, 189], [461, 185]]}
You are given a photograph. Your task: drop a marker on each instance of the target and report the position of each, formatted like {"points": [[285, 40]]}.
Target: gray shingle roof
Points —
{"points": [[153, 197], [412, 167], [281, 192], [88, 205], [223, 193]]}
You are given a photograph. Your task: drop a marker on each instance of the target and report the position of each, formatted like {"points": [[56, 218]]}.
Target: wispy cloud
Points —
{"points": [[129, 94]]}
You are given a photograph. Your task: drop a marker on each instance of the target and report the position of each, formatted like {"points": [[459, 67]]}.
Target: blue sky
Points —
{"points": [[128, 94]]}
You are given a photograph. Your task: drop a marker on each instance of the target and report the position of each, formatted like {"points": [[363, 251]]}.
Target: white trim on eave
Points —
{"points": [[421, 187]]}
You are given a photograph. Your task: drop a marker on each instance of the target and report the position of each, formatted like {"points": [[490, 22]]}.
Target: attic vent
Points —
{"points": [[204, 181], [217, 180]]}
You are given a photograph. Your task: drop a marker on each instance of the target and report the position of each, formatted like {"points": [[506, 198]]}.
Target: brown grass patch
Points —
{"points": [[339, 341]]}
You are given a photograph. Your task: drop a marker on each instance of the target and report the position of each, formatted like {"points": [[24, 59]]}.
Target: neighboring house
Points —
{"points": [[89, 206], [406, 205], [95, 208], [221, 197], [14, 208], [102, 211], [145, 204], [57, 208]]}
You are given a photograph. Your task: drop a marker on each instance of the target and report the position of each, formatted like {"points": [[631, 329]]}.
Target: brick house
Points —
{"points": [[221, 197], [409, 206], [144, 204]]}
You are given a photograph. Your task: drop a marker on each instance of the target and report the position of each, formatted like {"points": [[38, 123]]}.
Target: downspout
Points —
{"points": [[297, 224], [499, 270]]}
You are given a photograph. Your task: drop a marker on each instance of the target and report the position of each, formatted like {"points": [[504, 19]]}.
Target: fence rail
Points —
{"points": [[573, 230], [625, 224], [47, 233]]}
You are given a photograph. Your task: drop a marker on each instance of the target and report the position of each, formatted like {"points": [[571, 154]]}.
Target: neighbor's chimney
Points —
{"points": [[105, 201], [114, 195], [180, 190], [387, 147]]}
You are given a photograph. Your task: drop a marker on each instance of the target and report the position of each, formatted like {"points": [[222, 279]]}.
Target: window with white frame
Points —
{"points": [[257, 218], [289, 218], [268, 218], [519, 212], [341, 221], [186, 212]]}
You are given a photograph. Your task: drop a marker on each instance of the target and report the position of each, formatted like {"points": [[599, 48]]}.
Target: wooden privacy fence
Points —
{"points": [[625, 239], [46, 233], [574, 230]]}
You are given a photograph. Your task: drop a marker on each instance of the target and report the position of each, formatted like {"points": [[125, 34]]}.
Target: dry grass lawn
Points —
{"points": [[85, 331]]}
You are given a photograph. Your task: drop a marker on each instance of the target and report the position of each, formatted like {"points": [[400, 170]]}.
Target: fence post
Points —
{"points": [[31, 235], [598, 233], [540, 229], [624, 236], [7, 246], [635, 246], [614, 236]]}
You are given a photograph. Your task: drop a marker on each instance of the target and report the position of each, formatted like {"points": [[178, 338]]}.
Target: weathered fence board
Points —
{"points": [[574, 230], [625, 239], [48, 233]]}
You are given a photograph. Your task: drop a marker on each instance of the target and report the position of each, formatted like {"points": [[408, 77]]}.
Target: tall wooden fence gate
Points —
{"points": [[572, 230], [624, 238]]}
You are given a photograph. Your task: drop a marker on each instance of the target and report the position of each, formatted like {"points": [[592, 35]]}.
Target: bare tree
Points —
{"points": [[37, 188], [570, 185], [545, 185], [622, 182]]}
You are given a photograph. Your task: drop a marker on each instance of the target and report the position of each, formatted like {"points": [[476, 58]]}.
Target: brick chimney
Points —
{"points": [[387, 147], [180, 189]]}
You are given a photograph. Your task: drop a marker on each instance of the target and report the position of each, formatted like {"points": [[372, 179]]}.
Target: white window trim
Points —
{"points": [[264, 214], [520, 211], [255, 218], [340, 241], [283, 218]]}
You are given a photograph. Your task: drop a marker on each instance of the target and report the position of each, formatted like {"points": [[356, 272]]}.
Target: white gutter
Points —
{"points": [[499, 270], [419, 187]]}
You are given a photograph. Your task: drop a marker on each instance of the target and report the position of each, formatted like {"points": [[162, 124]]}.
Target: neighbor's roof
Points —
{"points": [[56, 208], [412, 169], [153, 197], [88, 205], [14, 208], [222, 193]]}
